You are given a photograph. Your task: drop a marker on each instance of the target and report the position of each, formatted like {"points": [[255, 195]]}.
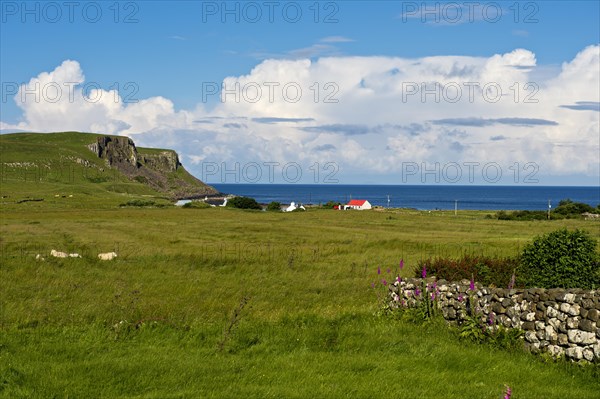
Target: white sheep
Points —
{"points": [[74, 255], [58, 254], [39, 257], [107, 256]]}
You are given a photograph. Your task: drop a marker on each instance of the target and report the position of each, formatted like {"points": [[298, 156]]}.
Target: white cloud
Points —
{"points": [[366, 114]]}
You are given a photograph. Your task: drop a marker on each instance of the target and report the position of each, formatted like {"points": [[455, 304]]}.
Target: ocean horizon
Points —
{"points": [[421, 197]]}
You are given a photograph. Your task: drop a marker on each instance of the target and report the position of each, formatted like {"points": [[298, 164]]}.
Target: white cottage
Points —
{"points": [[358, 204]]}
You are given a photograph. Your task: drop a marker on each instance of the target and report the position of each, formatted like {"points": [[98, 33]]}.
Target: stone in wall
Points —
{"points": [[561, 322]]}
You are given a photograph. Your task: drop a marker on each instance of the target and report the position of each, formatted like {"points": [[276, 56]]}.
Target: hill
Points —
{"points": [[41, 166]]}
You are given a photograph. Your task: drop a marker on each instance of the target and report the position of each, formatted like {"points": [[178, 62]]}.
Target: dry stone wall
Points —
{"points": [[562, 322]]}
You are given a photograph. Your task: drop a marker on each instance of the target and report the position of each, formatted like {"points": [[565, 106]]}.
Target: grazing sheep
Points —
{"points": [[58, 254], [39, 257], [107, 256], [74, 255]]}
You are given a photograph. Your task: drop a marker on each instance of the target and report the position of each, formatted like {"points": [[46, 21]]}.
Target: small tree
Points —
{"points": [[572, 209], [274, 206], [562, 258], [243, 203]]}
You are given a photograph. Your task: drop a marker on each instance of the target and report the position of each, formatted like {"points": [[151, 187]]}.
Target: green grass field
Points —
{"points": [[152, 323], [224, 303]]}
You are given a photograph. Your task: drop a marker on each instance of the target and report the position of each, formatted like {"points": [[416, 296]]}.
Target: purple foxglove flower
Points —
{"points": [[372, 285], [378, 270], [511, 285], [399, 279], [424, 272], [401, 263], [491, 319], [460, 298], [508, 393], [389, 270], [472, 284], [383, 282], [417, 292]]}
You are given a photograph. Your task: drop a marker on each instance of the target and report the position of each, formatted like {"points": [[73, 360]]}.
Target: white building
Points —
{"points": [[358, 204]]}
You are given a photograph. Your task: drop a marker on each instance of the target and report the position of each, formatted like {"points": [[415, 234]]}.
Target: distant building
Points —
{"points": [[358, 204]]}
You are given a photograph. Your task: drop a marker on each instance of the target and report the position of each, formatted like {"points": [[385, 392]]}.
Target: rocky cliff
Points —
{"points": [[160, 169]]}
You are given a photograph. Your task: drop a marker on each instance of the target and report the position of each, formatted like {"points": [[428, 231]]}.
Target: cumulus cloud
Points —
{"points": [[366, 114], [62, 100]]}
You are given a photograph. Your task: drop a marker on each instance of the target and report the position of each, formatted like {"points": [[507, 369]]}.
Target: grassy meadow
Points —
{"points": [[224, 303]]}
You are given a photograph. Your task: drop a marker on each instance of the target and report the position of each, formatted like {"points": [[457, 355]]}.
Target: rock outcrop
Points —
{"points": [[161, 170]]}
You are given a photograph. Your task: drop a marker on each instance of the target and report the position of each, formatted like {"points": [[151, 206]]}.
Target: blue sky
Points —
{"points": [[377, 57]]}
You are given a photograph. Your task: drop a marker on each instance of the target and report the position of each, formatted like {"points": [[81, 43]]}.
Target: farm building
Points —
{"points": [[358, 204]]}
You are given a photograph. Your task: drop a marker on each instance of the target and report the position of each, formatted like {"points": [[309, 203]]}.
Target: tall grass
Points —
{"points": [[151, 323]]}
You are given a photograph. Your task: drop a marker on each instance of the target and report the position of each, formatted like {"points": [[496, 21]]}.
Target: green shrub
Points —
{"points": [[569, 208], [274, 206], [484, 269], [331, 204], [522, 215], [243, 203], [561, 259], [139, 203], [196, 205]]}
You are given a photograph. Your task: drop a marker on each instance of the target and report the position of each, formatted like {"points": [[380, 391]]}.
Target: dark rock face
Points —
{"points": [[118, 152], [162, 170], [166, 160]]}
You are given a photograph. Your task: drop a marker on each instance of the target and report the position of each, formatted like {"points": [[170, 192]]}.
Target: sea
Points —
{"points": [[421, 197]]}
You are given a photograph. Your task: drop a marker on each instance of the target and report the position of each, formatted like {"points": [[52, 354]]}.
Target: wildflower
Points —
{"points": [[433, 296], [424, 272], [389, 270], [491, 319], [372, 285], [417, 292], [383, 281], [378, 270], [460, 298], [508, 392], [399, 279], [472, 284], [401, 263], [511, 285]]}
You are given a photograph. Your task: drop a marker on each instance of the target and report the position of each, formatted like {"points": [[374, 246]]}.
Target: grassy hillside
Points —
{"points": [[151, 323], [52, 167]]}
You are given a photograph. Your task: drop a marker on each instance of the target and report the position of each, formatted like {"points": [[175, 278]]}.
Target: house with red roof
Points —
{"points": [[358, 204]]}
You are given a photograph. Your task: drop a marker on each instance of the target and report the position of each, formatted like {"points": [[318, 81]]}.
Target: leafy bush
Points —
{"points": [[331, 204], [486, 270], [569, 208], [522, 215], [243, 203], [561, 259], [566, 209], [139, 203], [196, 205], [274, 206]]}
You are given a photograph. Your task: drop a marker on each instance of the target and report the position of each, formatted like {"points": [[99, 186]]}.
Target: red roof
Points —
{"points": [[357, 202]]}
